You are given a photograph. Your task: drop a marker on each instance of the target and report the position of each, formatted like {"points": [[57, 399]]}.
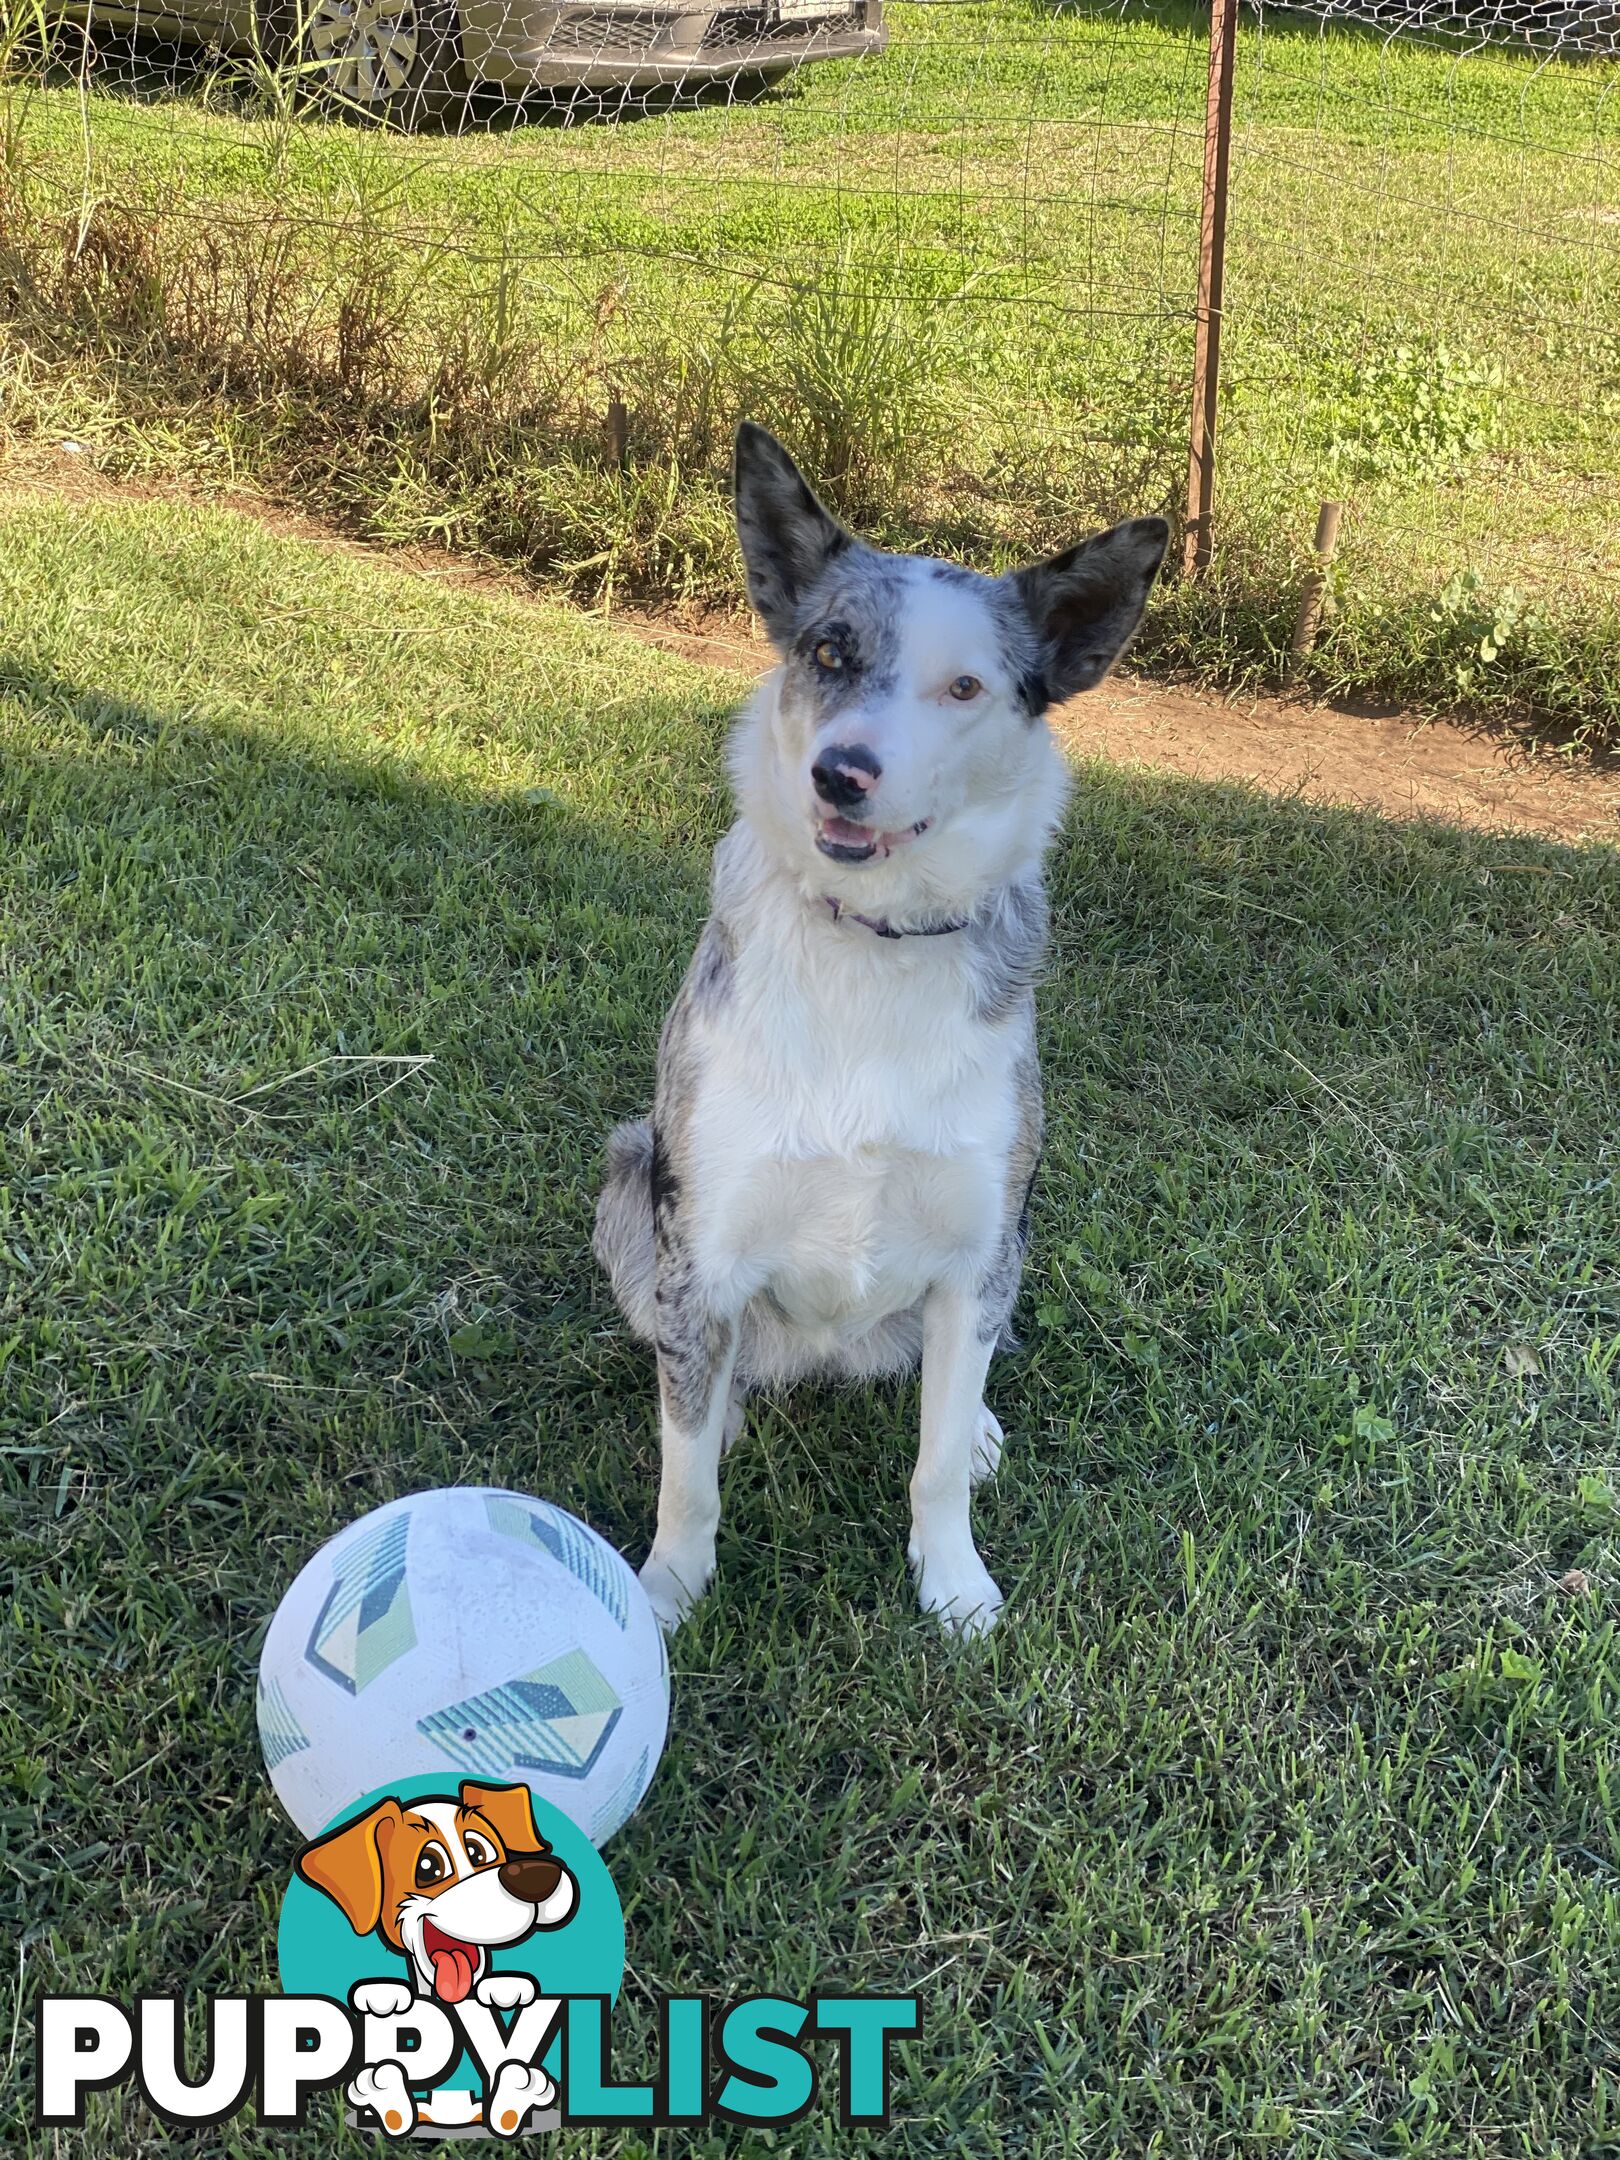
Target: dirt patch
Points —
{"points": [[1401, 767], [1393, 763], [1389, 762]]}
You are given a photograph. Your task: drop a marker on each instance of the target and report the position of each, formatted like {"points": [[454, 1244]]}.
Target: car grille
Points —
{"points": [[617, 34], [602, 35], [754, 26]]}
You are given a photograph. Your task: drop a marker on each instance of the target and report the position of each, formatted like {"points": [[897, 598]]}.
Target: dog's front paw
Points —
{"points": [[987, 1439], [381, 1998], [384, 2093], [958, 1588], [505, 1991], [518, 2090], [675, 1583]]}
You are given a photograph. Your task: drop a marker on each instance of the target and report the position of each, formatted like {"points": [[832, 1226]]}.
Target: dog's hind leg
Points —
{"points": [[697, 1365], [987, 1444], [951, 1578], [624, 1224], [736, 1412]]}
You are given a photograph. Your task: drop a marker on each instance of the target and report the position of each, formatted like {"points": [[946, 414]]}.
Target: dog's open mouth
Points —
{"points": [[845, 842], [455, 1963]]}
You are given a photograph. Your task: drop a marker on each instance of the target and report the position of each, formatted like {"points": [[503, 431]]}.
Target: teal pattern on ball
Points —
{"points": [[584, 1555], [558, 1718], [365, 1625], [620, 1804], [280, 1733]]}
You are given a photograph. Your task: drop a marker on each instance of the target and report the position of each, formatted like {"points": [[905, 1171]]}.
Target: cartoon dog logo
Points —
{"points": [[443, 1881]]}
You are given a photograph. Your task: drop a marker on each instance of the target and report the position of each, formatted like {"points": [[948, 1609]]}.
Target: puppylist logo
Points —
{"points": [[449, 1956]]}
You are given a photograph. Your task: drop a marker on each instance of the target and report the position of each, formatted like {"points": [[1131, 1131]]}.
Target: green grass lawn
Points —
{"points": [[1277, 1818], [960, 278]]}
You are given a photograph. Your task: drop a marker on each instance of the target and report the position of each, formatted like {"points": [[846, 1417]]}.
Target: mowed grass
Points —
{"points": [[960, 278], [339, 907]]}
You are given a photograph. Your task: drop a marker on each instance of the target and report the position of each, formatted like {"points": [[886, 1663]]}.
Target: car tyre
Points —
{"points": [[394, 63]]}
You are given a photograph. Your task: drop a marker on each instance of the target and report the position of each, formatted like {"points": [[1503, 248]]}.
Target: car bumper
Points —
{"points": [[608, 47]]}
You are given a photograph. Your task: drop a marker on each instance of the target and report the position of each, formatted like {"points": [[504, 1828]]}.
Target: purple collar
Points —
{"points": [[840, 913]]}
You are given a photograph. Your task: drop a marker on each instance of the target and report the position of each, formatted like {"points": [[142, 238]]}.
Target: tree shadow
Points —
{"points": [[1522, 27], [1322, 1091]]}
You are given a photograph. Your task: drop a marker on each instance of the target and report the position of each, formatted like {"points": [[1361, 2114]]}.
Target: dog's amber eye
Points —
{"points": [[480, 1851], [966, 687], [829, 655], [432, 1866]]}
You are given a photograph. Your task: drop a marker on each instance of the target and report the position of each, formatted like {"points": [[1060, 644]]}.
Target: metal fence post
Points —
{"points": [[1223, 17]]}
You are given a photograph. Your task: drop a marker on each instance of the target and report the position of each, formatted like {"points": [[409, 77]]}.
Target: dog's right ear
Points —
{"points": [[1085, 604], [787, 537], [347, 1864]]}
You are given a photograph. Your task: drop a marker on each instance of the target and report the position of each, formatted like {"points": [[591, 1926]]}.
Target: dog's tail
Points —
{"points": [[624, 1224]]}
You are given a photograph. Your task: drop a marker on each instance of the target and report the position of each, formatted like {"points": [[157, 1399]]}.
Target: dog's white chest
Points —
{"points": [[852, 1139], [845, 1240]]}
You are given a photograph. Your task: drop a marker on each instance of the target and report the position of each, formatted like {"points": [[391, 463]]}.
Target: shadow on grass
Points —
{"points": [[1525, 31], [1330, 1102]]}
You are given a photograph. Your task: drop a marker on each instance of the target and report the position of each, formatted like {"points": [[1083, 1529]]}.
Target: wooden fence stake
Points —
{"points": [[618, 431], [1308, 620], [1223, 17]]}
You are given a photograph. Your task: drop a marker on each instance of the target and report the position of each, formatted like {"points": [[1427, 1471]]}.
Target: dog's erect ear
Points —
{"points": [[1086, 603], [787, 538], [348, 1864], [510, 1810]]}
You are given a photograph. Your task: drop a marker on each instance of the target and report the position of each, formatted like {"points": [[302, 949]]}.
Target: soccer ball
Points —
{"points": [[475, 1632]]}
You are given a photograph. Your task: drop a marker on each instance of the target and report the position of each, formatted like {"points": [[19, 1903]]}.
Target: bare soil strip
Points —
{"points": [[1389, 762]]}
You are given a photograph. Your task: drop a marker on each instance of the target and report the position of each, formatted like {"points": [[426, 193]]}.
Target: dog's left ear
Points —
{"points": [[1086, 603], [787, 537], [510, 1810]]}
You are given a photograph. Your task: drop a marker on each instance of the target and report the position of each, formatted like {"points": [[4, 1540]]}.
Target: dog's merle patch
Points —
{"points": [[1033, 694], [1085, 603], [710, 978], [1007, 944], [788, 538], [662, 1183]]}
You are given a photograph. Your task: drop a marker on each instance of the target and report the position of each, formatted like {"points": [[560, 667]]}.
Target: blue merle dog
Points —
{"points": [[835, 1176]]}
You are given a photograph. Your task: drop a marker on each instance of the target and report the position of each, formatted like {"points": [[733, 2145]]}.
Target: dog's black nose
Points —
{"points": [[533, 1877], [845, 775]]}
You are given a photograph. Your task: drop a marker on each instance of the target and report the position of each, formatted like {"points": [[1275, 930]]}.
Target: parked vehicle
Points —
{"points": [[404, 60]]}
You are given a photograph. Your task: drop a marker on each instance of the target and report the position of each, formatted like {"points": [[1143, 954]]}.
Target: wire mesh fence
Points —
{"points": [[1426, 241], [506, 276]]}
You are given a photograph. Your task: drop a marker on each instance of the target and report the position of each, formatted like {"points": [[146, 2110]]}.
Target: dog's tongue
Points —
{"points": [[843, 834], [838, 832], [454, 1965]]}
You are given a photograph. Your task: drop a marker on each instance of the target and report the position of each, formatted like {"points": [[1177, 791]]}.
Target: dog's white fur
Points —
{"points": [[841, 1113], [853, 1132]]}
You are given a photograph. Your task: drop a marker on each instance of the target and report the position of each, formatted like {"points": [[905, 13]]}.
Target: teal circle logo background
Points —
{"points": [[318, 1953]]}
